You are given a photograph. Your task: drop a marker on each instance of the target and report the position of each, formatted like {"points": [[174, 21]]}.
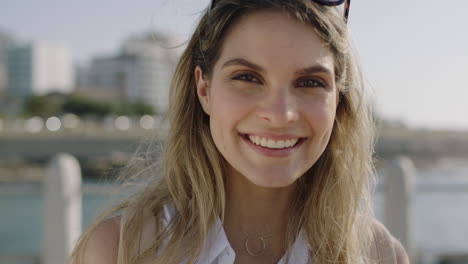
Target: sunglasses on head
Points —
{"points": [[322, 2]]}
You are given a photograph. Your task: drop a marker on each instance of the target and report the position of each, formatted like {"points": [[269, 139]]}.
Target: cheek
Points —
{"points": [[321, 114], [228, 106], [227, 111]]}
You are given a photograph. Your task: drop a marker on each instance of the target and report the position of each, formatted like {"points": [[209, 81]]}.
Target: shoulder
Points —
{"points": [[385, 247], [102, 244]]}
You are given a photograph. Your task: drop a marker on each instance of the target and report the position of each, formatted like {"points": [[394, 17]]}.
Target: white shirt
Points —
{"points": [[217, 249]]}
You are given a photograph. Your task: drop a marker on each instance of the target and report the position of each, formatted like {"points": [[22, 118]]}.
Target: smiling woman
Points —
{"points": [[268, 157], [262, 94]]}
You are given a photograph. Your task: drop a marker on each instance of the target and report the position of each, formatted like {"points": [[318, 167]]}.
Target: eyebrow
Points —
{"points": [[315, 69], [244, 62], [318, 68]]}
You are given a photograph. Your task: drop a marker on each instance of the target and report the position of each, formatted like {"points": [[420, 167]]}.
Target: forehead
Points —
{"points": [[274, 38]]}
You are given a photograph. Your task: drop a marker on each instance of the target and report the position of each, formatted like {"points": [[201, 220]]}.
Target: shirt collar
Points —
{"points": [[216, 243], [299, 253]]}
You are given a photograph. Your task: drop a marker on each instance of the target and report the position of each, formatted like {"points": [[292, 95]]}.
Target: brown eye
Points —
{"points": [[247, 77], [311, 83]]}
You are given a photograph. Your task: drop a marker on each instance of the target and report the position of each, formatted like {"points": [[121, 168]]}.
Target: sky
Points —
{"points": [[414, 54]]}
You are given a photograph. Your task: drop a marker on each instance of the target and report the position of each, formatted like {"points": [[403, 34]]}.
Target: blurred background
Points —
{"points": [[91, 78]]}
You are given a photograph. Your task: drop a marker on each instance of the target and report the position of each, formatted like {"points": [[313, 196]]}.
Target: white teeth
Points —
{"points": [[269, 143], [257, 140], [281, 144]]}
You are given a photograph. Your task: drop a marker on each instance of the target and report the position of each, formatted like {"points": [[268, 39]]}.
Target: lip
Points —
{"points": [[276, 153], [273, 136]]}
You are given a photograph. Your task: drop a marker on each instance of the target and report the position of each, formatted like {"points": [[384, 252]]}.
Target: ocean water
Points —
{"points": [[21, 221], [439, 219]]}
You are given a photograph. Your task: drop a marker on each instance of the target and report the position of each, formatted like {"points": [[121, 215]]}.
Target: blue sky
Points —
{"points": [[414, 53]]}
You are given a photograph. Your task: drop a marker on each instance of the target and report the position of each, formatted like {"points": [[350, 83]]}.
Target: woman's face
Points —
{"points": [[271, 98]]}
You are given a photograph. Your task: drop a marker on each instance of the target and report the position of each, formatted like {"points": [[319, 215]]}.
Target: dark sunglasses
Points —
{"points": [[322, 2]]}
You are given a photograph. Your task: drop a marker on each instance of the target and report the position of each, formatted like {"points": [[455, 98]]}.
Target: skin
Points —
{"points": [[275, 79]]}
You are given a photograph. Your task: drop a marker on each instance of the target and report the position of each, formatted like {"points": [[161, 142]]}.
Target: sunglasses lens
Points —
{"points": [[330, 2], [323, 2]]}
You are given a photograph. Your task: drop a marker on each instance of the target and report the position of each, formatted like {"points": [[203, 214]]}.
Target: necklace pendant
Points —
{"points": [[252, 251]]}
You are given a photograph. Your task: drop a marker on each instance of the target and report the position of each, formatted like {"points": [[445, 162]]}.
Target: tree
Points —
{"points": [[42, 106], [82, 106], [141, 108]]}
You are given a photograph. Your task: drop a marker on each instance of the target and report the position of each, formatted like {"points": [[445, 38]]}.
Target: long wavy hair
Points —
{"points": [[332, 205]]}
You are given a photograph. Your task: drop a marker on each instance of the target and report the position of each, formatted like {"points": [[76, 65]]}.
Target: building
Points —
{"points": [[3, 79], [152, 63], [108, 75], [6, 42], [39, 68], [86, 88], [141, 71]]}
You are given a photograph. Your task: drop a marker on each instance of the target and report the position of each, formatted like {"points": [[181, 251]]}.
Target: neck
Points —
{"points": [[254, 211]]}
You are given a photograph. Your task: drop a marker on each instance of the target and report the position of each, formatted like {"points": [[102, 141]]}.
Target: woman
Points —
{"points": [[269, 154]]}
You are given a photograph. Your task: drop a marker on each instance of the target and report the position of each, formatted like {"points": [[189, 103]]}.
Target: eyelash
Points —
{"points": [[312, 82], [247, 77]]}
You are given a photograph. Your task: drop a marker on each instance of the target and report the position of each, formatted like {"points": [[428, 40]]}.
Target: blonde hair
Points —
{"points": [[332, 204]]}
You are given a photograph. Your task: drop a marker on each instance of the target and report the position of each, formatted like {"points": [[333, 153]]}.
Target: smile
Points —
{"points": [[273, 144]]}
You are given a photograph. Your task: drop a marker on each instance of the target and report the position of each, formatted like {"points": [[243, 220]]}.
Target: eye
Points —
{"points": [[311, 82], [248, 77]]}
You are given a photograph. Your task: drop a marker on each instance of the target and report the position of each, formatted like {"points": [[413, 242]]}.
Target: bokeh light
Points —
{"points": [[70, 121], [122, 123], [147, 122], [53, 124], [34, 124]]}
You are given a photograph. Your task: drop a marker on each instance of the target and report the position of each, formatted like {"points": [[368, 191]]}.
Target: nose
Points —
{"points": [[278, 108]]}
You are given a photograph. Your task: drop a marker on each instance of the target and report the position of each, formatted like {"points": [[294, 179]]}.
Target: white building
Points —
{"points": [[151, 67], [142, 71], [39, 68]]}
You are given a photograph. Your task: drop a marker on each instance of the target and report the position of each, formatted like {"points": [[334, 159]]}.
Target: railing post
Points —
{"points": [[398, 191], [62, 208]]}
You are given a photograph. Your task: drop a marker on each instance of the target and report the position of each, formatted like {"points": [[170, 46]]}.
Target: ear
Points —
{"points": [[203, 90]]}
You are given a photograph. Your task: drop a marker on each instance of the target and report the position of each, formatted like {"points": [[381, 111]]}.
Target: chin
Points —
{"points": [[272, 182]]}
